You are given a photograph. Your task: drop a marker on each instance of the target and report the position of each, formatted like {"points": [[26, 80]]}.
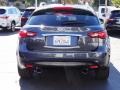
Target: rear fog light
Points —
{"points": [[93, 67]]}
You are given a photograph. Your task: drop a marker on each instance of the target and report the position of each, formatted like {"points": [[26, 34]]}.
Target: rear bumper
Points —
{"points": [[64, 64], [63, 59], [4, 26]]}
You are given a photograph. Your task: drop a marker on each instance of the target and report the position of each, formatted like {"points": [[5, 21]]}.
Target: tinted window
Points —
{"points": [[28, 12], [10, 11], [22, 10], [14, 11], [115, 13], [103, 10], [2, 11], [64, 19]]}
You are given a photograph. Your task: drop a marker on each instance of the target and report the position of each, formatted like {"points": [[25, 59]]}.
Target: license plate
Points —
{"points": [[61, 40]]}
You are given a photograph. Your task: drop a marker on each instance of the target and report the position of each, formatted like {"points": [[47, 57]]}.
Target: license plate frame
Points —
{"points": [[61, 40]]}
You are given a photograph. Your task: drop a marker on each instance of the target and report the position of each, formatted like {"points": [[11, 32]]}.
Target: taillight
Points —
{"points": [[109, 20], [25, 34], [101, 35], [4, 17], [24, 19]]}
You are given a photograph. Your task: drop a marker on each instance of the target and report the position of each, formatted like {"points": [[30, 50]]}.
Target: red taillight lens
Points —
{"points": [[109, 20], [29, 65], [101, 35], [93, 67], [24, 19], [4, 17], [25, 34], [62, 8]]}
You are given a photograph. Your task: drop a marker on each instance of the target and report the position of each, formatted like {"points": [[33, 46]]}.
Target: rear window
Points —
{"points": [[115, 13], [74, 18], [27, 12], [2, 11]]}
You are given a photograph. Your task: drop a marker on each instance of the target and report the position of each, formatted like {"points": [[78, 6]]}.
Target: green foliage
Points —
{"points": [[32, 2], [96, 3], [116, 3]]}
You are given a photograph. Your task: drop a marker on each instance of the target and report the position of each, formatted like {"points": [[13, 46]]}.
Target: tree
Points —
{"points": [[96, 3], [116, 3], [3, 2], [32, 2]]}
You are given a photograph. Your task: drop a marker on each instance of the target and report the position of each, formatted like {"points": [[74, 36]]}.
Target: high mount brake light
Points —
{"points": [[62, 8], [25, 34], [101, 35]]}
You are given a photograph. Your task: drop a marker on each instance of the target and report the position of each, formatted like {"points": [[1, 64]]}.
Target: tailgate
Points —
{"points": [[63, 41]]}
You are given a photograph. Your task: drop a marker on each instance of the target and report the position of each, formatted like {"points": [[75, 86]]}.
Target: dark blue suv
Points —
{"points": [[63, 36], [113, 22]]}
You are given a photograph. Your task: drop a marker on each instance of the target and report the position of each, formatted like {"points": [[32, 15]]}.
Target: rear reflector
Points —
{"points": [[101, 35], [93, 67], [25, 34], [62, 8], [28, 65]]}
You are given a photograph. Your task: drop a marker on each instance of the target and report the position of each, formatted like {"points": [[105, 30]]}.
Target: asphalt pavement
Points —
{"points": [[55, 79]]}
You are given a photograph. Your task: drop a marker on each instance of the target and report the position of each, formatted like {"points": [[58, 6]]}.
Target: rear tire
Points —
{"points": [[25, 73], [102, 73], [12, 26]]}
